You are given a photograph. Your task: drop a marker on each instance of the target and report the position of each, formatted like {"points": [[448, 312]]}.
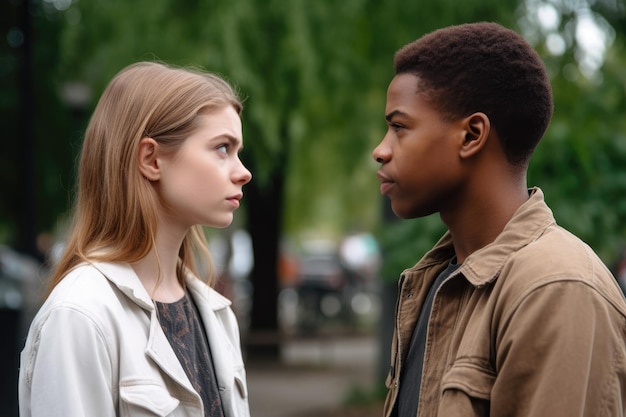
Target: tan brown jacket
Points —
{"points": [[531, 325]]}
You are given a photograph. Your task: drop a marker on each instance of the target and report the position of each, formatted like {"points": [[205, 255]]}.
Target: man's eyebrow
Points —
{"points": [[393, 114]]}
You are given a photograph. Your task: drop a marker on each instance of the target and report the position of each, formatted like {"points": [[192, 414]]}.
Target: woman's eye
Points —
{"points": [[223, 148]]}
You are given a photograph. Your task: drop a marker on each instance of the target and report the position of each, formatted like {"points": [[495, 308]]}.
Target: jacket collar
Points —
{"points": [[205, 295], [483, 266], [123, 276], [126, 280]]}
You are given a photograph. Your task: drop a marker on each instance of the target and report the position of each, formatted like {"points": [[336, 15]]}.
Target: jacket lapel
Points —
{"points": [[158, 347], [161, 352], [210, 305]]}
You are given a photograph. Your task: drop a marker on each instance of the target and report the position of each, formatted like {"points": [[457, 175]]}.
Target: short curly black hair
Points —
{"points": [[484, 67]]}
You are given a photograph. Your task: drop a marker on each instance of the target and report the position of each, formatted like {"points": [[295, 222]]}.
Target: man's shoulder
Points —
{"points": [[558, 257], [557, 249]]}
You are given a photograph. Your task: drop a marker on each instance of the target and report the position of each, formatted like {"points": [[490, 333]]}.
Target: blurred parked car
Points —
{"points": [[325, 290]]}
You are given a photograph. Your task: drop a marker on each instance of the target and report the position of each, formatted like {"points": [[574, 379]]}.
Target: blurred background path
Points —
{"points": [[316, 377]]}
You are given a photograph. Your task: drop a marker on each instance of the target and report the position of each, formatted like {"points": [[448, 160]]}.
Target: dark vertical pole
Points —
{"points": [[26, 240], [10, 319]]}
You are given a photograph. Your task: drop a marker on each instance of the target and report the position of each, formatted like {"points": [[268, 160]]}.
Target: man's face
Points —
{"points": [[420, 165]]}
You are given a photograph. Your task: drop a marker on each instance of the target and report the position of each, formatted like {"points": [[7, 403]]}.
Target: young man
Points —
{"points": [[509, 314]]}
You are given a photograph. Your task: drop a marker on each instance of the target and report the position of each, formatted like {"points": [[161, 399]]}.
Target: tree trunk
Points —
{"points": [[265, 221]]}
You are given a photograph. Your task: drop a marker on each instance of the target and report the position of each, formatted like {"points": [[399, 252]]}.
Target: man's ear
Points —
{"points": [[477, 127], [147, 159]]}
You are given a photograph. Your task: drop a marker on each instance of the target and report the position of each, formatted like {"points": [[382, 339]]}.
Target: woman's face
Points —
{"points": [[202, 182]]}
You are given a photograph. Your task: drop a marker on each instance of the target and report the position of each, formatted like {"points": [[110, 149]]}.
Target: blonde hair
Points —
{"points": [[115, 212]]}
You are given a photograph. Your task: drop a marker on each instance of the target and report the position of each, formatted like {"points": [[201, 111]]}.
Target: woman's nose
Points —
{"points": [[243, 175]]}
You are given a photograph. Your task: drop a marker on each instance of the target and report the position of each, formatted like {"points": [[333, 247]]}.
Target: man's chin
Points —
{"points": [[410, 213]]}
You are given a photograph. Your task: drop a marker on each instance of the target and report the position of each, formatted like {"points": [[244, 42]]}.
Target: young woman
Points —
{"points": [[128, 328]]}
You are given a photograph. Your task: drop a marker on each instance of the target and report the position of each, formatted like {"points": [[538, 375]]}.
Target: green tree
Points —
{"points": [[578, 163]]}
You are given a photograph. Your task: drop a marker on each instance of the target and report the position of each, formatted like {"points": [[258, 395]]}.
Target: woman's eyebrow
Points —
{"points": [[234, 141]]}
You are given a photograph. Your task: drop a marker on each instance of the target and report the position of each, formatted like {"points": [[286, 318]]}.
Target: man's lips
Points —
{"points": [[385, 182]]}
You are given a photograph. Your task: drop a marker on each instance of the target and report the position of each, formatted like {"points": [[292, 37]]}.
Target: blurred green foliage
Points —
{"points": [[580, 162], [314, 75]]}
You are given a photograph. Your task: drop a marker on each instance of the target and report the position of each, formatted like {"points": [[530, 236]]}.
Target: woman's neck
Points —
{"points": [[157, 271]]}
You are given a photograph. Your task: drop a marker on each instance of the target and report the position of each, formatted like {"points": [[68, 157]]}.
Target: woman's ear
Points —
{"points": [[147, 159], [477, 127]]}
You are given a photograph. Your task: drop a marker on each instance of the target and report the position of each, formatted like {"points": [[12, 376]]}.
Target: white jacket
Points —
{"points": [[96, 349]]}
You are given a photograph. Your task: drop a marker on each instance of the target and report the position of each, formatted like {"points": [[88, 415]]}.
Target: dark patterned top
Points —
{"points": [[183, 327]]}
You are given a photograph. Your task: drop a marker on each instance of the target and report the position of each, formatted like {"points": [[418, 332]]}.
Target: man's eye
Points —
{"points": [[396, 126]]}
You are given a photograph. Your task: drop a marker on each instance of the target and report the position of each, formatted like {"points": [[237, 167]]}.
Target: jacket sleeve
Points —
{"points": [[560, 353], [66, 368]]}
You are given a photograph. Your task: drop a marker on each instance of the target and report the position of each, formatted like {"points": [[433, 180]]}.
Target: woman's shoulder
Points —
{"points": [[85, 276], [84, 288], [80, 297]]}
